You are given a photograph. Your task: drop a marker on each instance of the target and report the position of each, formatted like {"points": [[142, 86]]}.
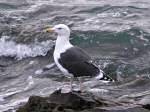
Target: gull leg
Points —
{"points": [[80, 84], [71, 84]]}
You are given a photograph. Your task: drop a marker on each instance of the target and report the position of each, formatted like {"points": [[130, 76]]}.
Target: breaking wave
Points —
{"points": [[20, 51]]}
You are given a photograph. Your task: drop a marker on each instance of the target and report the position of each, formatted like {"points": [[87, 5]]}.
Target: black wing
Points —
{"points": [[78, 62]]}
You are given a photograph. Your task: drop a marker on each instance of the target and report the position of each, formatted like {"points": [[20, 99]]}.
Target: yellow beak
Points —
{"points": [[49, 30]]}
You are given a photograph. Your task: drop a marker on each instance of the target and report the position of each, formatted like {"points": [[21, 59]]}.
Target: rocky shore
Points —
{"points": [[77, 102]]}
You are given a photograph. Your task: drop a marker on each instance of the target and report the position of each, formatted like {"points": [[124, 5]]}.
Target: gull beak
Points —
{"points": [[49, 30]]}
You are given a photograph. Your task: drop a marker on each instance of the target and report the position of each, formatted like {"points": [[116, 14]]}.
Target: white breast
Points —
{"points": [[56, 56]]}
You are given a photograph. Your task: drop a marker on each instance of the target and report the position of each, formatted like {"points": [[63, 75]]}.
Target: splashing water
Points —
{"points": [[20, 51]]}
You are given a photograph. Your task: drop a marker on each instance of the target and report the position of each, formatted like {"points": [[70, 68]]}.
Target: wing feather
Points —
{"points": [[78, 62]]}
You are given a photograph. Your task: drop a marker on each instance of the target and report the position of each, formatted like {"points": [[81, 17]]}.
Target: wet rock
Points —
{"points": [[36, 104], [77, 102], [73, 100], [57, 101]]}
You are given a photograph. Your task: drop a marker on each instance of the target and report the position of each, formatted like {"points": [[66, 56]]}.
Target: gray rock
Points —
{"points": [[75, 102], [58, 101], [72, 100]]}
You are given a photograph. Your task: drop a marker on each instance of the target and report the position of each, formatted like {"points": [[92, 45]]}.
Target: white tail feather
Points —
{"points": [[100, 75]]}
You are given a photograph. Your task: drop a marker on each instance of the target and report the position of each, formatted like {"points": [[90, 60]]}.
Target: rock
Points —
{"points": [[76, 102], [57, 101], [72, 100], [36, 104]]}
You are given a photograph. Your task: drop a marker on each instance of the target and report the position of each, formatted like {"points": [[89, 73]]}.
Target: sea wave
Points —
{"points": [[20, 51]]}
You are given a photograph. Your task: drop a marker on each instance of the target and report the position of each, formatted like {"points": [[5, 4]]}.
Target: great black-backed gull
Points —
{"points": [[72, 60]]}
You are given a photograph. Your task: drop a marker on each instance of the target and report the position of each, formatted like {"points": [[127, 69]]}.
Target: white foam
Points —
{"points": [[20, 51], [38, 72], [30, 83], [97, 90], [50, 65]]}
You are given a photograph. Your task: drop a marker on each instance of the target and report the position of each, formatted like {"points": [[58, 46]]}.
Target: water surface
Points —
{"points": [[115, 33]]}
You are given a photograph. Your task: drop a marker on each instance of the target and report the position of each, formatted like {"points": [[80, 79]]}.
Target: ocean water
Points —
{"points": [[115, 33]]}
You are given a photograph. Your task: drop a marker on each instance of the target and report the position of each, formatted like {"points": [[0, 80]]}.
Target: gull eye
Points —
{"points": [[59, 28]]}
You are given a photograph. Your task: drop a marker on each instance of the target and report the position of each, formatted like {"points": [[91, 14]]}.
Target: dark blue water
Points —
{"points": [[115, 33]]}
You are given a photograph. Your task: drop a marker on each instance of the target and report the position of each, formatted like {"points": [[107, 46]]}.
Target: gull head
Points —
{"points": [[60, 29]]}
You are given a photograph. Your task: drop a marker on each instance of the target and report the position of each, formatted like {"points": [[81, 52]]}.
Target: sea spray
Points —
{"points": [[19, 51]]}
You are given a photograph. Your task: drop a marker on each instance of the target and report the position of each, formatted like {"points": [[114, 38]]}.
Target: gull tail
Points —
{"points": [[103, 77]]}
